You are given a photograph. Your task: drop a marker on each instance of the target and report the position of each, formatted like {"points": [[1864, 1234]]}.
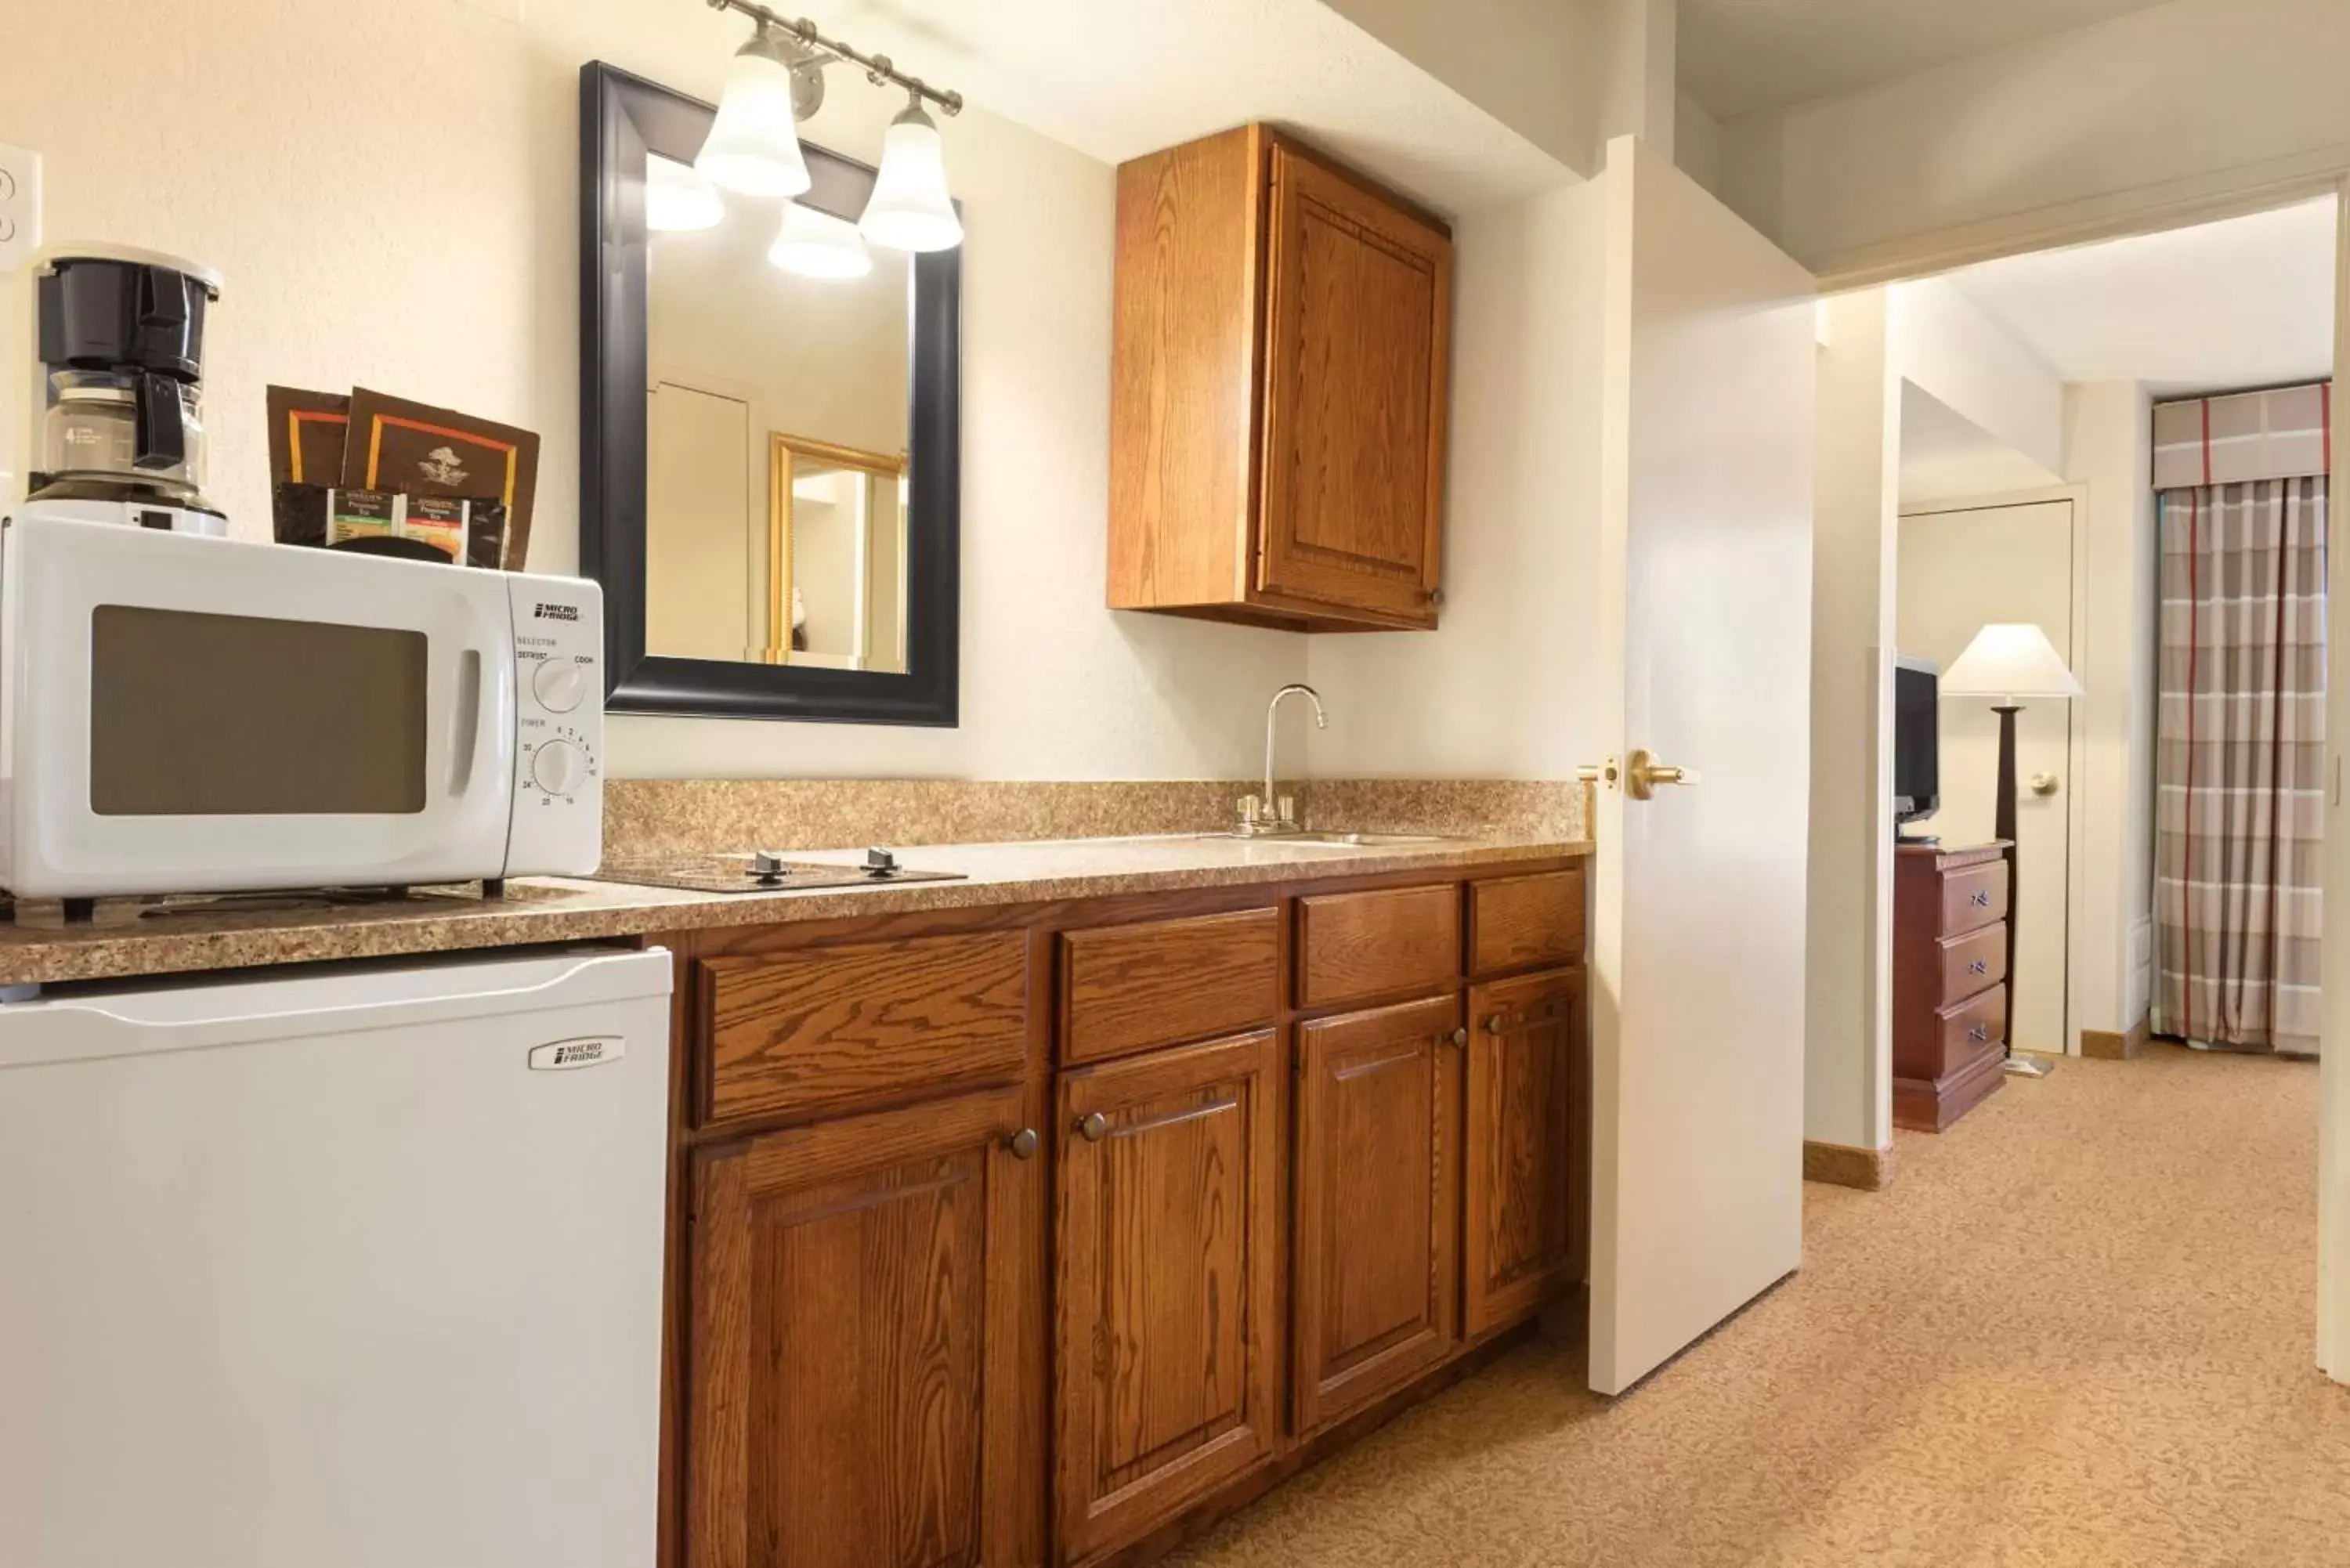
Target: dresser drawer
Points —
{"points": [[1517, 922], [1974, 897], [1161, 983], [1354, 946], [825, 1029], [1973, 962], [1965, 1031]]}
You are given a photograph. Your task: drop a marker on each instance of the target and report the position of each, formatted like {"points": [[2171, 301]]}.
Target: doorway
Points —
{"points": [[1965, 565]]}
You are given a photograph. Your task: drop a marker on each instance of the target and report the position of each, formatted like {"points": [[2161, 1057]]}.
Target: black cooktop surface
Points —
{"points": [[751, 871]]}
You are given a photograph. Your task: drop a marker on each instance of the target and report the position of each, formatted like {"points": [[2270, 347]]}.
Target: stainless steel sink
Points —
{"points": [[1318, 840]]}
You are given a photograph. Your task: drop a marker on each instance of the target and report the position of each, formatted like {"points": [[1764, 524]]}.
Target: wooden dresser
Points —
{"points": [[1950, 974]]}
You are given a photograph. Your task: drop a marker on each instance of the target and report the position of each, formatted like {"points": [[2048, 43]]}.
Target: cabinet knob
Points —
{"points": [[1461, 1037], [1493, 1025], [1023, 1144], [1093, 1128]]}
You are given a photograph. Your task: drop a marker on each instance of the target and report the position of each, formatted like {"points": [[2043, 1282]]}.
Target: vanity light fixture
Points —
{"points": [[910, 209], [679, 196], [817, 244], [777, 79], [754, 148]]}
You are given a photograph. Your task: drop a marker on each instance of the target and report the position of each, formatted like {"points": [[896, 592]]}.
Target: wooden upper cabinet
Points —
{"points": [[855, 1294], [1528, 1099], [1282, 345], [1168, 1285], [1374, 1294]]}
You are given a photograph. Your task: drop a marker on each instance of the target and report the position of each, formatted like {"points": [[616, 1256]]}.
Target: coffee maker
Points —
{"points": [[120, 335]]}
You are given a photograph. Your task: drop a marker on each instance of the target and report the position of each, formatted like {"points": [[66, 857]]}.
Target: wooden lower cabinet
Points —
{"points": [[1167, 1283], [1009, 1238], [1375, 1291], [857, 1291], [1524, 1174]]}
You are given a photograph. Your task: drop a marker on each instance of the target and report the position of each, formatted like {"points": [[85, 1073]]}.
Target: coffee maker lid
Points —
{"points": [[57, 256]]}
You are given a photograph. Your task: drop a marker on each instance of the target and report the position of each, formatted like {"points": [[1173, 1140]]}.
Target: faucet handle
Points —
{"points": [[1249, 806], [1285, 811]]}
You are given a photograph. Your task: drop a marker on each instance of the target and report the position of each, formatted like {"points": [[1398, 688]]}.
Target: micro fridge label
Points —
{"points": [[563, 1055]]}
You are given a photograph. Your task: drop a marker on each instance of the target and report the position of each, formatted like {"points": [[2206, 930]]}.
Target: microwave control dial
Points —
{"points": [[560, 684], [558, 767]]}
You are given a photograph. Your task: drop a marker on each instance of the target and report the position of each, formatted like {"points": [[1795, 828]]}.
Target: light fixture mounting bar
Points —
{"points": [[878, 69]]}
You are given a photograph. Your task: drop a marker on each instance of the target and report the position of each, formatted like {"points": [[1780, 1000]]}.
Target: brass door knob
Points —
{"points": [[1093, 1128], [1643, 773], [1023, 1144], [2043, 783]]}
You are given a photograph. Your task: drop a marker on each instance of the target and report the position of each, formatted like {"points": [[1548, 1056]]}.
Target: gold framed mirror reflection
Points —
{"points": [[836, 555]]}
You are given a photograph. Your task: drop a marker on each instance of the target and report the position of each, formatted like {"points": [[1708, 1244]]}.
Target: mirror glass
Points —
{"points": [[776, 436]]}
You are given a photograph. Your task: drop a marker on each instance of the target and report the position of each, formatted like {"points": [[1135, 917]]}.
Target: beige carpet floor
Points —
{"points": [[2077, 1330]]}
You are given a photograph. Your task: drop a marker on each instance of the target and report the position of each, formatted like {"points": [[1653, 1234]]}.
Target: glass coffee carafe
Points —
{"points": [[139, 432]]}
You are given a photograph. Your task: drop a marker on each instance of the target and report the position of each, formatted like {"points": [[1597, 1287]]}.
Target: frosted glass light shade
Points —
{"points": [[754, 148], [2009, 659], [817, 244], [679, 196], [910, 209]]}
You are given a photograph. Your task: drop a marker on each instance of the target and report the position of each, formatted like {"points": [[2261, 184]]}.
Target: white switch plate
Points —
{"points": [[20, 206]]}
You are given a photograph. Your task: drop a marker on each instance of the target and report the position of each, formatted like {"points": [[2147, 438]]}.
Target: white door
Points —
{"points": [[1705, 634], [1961, 568], [699, 591]]}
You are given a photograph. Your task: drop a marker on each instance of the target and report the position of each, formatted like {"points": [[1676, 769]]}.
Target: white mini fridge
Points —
{"points": [[353, 1268]]}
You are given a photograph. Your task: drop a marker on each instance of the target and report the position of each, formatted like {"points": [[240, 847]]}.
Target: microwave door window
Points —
{"points": [[232, 715]]}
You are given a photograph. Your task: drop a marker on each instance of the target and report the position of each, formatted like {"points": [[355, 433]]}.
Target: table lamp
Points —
{"points": [[2007, 660]]}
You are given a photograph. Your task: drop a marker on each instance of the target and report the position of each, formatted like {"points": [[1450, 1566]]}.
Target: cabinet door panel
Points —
{"points": [[857, 1293], [1527, 1088], [1169, 1251], [1376, 1291], [1355, 361]]}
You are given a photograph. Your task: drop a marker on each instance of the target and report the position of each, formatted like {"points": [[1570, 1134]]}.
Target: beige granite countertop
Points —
{"points": [[131, 938]]}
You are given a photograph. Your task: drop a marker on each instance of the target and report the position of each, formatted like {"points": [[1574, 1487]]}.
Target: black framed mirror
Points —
{"points": [[770, 461]]}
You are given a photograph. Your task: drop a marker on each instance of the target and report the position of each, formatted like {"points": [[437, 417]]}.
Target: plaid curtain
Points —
{"points": [[2240, 760]]}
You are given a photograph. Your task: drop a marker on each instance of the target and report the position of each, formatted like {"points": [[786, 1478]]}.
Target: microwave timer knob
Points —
{"points": [[560, 684], [556, 767]]}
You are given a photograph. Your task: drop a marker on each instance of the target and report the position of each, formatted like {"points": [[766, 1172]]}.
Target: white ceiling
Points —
{"points": [[2243, 303], [1737, 56], [1944, 454], [1116, 79]]}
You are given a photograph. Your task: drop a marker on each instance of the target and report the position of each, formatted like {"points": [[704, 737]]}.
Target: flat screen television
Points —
{"points": [[1917, 740]]}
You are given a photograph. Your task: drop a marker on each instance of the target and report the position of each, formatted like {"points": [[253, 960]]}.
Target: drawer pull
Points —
{"points": [[1093, 1128], [1980, 898], [1023, 1144], [1979, 1032], [1978, 966], [1493, 1025]]}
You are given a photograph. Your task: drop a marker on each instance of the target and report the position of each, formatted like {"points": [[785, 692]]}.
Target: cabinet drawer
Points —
{"points": [[1352, 946], [1126, 988], [825, 1028], [1515, 922], [1974, 897], [1970, 1029], [1974, 962]]}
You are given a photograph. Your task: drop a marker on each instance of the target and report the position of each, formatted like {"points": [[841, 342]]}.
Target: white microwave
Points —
{"points": [[188, 715]]}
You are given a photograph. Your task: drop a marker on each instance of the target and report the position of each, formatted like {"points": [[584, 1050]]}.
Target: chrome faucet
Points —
{"points": [[1267, 815]]}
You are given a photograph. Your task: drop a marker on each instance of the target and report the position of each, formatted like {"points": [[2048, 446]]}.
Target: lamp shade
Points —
{"points": [[754, 147], [817, 244], [679, 196], [2009, 660], [910, 209]]}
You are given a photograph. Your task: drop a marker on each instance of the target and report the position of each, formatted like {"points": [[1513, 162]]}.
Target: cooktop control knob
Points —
{"points": [[558, 767], [560, 684]]}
